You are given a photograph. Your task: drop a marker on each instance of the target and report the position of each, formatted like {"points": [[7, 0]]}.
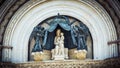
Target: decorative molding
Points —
{"points": [[7, 16], [32, 13], [8, 8], [113, 8], [109, 63]]}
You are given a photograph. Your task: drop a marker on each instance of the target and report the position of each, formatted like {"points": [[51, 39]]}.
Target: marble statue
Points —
{"points": [[59, 52], [57, 42]]}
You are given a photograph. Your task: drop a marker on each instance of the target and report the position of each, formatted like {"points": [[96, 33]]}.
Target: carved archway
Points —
{"points": [[32, 13]]}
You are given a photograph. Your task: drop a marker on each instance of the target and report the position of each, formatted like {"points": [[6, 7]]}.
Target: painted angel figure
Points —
{"points": [[40, 36], [81, 36]]}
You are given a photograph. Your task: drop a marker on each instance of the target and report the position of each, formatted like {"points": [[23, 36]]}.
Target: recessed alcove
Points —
{"points": [[68, 43]]}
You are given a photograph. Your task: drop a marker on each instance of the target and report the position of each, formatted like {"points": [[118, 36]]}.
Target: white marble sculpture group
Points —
{"points": [[59, 52]]}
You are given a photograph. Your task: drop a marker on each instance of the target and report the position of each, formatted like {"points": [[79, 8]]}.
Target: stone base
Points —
{"points": [[75, 54], [40, 56], [59, 57], [81, 55]]}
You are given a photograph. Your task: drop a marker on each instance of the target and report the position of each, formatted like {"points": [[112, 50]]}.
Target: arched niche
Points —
{"points": [[68, 41], [33, 12]]}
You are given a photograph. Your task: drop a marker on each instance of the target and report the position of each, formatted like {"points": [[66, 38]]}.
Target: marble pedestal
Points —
{"points": [[59, 57]]}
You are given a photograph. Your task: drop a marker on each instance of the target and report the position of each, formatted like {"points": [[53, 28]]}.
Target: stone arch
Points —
{"points": [[33, 12]]}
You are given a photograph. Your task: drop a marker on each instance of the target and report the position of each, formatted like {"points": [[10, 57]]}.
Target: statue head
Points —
{"points": [[62, 33], [58, 32]]}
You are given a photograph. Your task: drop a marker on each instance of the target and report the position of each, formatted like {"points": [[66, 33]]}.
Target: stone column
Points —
{"points": [[6, 53]]}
